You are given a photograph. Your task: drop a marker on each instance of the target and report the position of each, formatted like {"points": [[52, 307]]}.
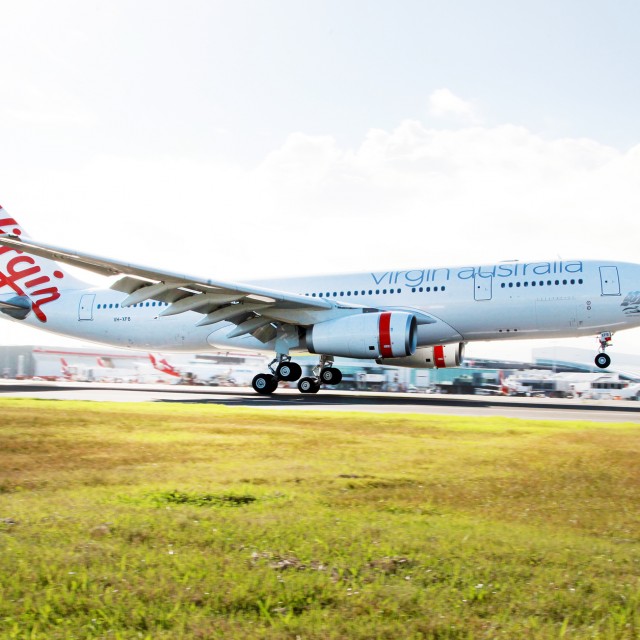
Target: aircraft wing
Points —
{"points": [[182, 292], [252, 308]]}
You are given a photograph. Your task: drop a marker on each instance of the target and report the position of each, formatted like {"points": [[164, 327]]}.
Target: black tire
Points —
{"points": [[602, 361], [289, 371], [264, 384], [308, 385], [331, 375]]}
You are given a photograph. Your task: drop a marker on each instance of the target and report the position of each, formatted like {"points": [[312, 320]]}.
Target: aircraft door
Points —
{"points": [[482, 289], [610, 281], [85, 310]]}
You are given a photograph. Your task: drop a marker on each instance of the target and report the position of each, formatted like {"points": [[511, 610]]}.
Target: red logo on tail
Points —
{"points": [[164, 366]]}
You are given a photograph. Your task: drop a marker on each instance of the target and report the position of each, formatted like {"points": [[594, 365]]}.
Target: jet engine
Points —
{"points": [[386, 334], [436, 357]]}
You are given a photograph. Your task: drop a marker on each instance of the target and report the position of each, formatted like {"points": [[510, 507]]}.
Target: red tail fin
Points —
{"points": [[164, 366]]}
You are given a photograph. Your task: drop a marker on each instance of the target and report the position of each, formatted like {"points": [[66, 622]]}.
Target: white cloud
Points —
{"points": [[408, 197], [444, 103]]}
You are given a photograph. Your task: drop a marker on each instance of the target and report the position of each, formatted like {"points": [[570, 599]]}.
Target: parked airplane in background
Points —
{"points": [[417, 318], [205, 372], [163, 366], [68, 371]]}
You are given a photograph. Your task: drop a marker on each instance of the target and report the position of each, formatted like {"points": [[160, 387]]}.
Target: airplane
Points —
{"points": [[163, 366], [103, 371], [67, 371], [419, 318], [205, 372]]}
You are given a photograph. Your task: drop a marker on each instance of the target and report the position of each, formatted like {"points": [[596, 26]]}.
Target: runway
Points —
{"points": [[328, 400]]}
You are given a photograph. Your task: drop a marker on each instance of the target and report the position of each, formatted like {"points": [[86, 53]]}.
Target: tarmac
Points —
{"points": [[331, 400]]}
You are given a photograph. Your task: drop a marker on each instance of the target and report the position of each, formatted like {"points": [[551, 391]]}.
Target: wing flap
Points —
{"points": [[198, 302], [163, 285], [231, 311], [149, 292]]}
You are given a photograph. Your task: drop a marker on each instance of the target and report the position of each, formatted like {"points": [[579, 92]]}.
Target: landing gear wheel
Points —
{"points": [[289, 371], [602, 360], [309, 385], [264, 383], [331, 375]]}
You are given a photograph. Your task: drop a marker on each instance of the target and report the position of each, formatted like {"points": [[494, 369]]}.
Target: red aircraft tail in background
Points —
{"points": [[164, 366]]}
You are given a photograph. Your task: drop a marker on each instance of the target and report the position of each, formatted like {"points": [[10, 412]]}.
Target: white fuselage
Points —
{"points": [[502, 301]]}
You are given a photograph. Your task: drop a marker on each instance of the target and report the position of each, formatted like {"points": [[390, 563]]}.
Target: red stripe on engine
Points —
{"points": [[385, 335], [438, 356]]}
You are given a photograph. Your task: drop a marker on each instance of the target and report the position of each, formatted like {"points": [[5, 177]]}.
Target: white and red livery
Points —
{"points": [[415, 318]]}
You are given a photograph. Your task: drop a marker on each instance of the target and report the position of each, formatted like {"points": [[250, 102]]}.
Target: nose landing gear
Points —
{"points": [[602, 360]]}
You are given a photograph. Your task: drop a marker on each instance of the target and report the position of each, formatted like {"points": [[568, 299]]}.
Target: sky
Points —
{"points": [[237, 139]]}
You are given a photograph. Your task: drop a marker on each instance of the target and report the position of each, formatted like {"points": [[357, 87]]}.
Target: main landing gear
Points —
{"points": [[602, 359], [267, 383], [323, 373]]}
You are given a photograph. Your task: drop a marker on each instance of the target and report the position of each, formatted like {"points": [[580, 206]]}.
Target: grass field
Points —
{"points": [[158, 521]]}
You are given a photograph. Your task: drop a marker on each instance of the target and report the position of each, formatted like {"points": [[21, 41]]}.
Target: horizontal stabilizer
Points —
{"points": [[17, 307]]}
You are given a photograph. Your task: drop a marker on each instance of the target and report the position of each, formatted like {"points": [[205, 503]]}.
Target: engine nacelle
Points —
{"points": [[437, 357], [387, 334]]}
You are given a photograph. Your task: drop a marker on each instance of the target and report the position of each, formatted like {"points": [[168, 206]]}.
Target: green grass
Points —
{"points": [[156, 521]]}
